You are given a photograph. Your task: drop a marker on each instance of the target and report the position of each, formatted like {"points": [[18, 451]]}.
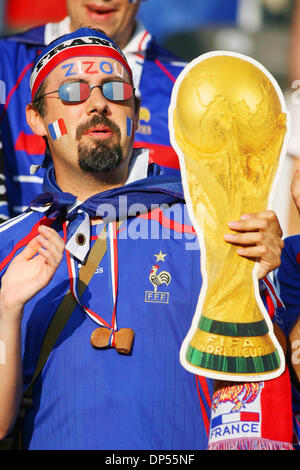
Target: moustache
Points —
{"points": [[97, 121]]}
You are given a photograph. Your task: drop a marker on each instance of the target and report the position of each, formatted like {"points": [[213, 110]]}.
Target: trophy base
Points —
{"points": [[243, 349], [258, 365]]}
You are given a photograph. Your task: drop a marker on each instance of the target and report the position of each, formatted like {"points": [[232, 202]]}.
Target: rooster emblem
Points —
{"points": [[157, 279]]}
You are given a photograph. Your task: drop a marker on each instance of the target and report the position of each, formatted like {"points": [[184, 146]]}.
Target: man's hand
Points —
{"points": [[31, 270], [259, 237]]}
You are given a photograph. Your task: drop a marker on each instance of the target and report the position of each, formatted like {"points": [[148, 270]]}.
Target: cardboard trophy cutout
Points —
{"points": [[228, 125]]}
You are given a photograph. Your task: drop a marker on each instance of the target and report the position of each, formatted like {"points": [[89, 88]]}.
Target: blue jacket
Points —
{"points": [[98, 399], [87, 398]]}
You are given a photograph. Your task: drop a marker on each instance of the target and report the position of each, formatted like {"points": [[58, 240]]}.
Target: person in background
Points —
{"points": [[288, 317], [154, 71], [286, 209]]}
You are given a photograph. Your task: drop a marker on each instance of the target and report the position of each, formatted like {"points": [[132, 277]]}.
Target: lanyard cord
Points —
{"points": [[114, 273], [109, 336]]}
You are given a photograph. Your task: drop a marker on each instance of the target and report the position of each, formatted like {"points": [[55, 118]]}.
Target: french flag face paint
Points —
{"points": [[129, 127], [57, 129]]}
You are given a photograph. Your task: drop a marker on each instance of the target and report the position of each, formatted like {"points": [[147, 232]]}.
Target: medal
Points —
{"points": [[107, 335], [121, 340]]}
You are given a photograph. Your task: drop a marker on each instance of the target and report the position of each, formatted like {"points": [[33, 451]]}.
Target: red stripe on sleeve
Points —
{"points": [[166, 71], [204, 386], [266, 280], [163, 155], [33, 233], [159, 216]]}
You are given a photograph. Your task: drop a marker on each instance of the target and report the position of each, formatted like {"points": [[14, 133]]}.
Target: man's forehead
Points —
{"points": [[92, 66], [88, 68]]}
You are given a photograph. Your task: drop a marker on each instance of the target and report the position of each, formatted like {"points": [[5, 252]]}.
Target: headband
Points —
{"points": [[83, 42]]}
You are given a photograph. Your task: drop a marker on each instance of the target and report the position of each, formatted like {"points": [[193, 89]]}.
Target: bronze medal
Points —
{"points": [[122, 342]]}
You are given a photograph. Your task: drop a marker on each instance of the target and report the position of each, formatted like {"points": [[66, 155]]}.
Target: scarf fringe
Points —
{"points": [[250, 444]]}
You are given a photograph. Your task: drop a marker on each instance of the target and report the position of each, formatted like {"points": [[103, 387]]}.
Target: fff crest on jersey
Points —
{"points": [[158, 277]]}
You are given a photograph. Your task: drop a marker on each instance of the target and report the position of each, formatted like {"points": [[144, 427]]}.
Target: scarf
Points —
{"points": [[145, 189], [253, 415]]}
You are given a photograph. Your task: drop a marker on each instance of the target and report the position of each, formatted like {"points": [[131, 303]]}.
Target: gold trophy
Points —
{"points": [[228, 125]]}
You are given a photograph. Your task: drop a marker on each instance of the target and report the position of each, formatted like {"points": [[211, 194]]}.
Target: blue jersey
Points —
{"points": [[154, 70], [87, 398]]}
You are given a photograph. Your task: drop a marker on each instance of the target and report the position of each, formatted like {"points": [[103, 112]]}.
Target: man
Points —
{"points": [[154, 71], [88, 396]]}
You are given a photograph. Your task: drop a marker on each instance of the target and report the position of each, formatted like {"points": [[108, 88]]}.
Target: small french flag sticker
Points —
{"points": [[129, 127], [57, 129]]}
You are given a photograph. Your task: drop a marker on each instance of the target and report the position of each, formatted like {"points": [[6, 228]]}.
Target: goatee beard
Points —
{"points": [[101, 156]]}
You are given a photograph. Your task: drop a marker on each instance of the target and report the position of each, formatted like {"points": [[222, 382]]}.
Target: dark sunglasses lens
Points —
{"points": [[117, 91], [74, 92]]}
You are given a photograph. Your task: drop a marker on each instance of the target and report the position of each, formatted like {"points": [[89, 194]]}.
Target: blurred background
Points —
{"points": [[267, 30], [260, 28]]}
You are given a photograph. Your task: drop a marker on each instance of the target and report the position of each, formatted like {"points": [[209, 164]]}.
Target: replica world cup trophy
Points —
{"points": [[228, 125]]}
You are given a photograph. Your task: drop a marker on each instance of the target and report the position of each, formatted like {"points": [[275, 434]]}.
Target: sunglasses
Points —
{"points": [[78, 92]]}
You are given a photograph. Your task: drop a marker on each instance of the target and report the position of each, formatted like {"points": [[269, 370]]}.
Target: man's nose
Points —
{"points": [[97, 103]]}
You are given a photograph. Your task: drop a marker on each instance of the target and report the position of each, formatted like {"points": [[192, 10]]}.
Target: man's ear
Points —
{"points": [[35, 121]]}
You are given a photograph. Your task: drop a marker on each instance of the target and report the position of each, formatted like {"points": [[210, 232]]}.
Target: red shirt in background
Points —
{"points": [[20, 14]]}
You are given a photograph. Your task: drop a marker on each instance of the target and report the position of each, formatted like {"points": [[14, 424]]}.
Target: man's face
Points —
{"points": [[114, 17], [97, 134]]}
